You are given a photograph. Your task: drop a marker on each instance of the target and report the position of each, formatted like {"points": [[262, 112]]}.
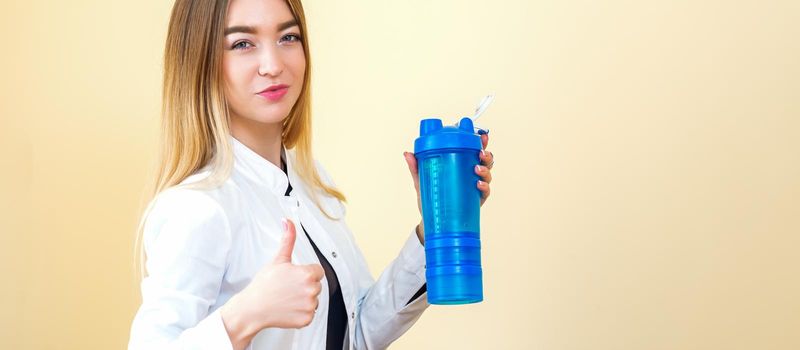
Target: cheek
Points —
{"points": [[227, 79], [234, 75], [298, 64], [235, 84]]}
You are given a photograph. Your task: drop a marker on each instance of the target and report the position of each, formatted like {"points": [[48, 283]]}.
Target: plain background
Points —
{"points": [[646, 193]]}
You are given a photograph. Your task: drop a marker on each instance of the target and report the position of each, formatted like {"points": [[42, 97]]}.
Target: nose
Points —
{"points": [[271, 62]]}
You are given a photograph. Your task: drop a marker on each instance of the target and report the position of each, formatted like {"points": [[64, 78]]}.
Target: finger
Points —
{"points": [[316, 272], [487, 159], [484, 187], [412, 162], [315, 301], [485, 140], [317, 288], [484, 173], [287, 243]]}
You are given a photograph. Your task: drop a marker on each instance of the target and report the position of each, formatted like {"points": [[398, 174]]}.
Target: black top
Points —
{"points": [[337, 313]]}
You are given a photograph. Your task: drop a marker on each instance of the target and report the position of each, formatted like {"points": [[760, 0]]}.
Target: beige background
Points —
{"points": [[646, 193]]}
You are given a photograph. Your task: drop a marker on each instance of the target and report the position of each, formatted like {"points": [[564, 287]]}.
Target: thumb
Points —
{"points": [[411, 160], [412, 167], [287, 243]]}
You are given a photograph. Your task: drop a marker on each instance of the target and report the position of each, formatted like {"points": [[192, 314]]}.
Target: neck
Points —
{"points": [[264, 139]]}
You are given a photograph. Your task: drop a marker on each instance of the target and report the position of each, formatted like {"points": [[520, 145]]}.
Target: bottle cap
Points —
{"points": [[434, 136]]}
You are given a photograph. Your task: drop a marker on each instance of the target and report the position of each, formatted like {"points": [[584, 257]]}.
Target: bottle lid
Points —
{"points": [[434, 136]]}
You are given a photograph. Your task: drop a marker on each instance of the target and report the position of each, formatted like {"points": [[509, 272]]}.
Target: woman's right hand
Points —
{"points": [[281, 295]]}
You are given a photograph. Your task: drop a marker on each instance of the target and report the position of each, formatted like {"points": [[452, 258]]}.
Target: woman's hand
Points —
{"points": [[281, 295], [484, 170]]}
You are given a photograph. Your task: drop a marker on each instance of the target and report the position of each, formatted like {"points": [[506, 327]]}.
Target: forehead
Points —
{"points": [[258, 13]]}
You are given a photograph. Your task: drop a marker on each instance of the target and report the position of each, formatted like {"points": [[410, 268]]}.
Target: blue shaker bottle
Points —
{"points": [[446, 159]]}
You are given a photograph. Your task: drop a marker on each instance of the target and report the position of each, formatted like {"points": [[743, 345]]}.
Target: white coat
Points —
{"points": [[204, 246]]}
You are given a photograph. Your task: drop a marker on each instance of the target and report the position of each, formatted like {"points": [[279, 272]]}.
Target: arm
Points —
{"points": [[187, 239], [389, 307]]}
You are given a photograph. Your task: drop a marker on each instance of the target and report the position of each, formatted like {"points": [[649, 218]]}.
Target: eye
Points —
{"points": [[291, 38], [238, 46]]}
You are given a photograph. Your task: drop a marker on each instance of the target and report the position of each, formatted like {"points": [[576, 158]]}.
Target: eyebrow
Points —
{"points": [[252, 30]]}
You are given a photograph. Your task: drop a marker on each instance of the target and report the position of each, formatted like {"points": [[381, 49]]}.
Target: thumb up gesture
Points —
{"points": [[281, 295]]}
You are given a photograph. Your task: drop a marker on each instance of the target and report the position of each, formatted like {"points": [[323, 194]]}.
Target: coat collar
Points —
{"points": [[262, 171]]}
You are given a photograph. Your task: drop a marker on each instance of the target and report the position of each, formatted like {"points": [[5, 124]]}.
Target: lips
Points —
{"points": [[274, 87], [274, 92]]}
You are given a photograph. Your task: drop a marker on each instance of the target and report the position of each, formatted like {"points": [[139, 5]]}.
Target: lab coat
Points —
{"points": [[204, 246]]}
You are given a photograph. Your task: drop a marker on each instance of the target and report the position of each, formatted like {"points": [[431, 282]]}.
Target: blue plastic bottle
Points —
{"points": [[446, 158]]}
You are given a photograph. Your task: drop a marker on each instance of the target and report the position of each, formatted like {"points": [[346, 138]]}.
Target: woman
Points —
{"points": [[245, 239]]}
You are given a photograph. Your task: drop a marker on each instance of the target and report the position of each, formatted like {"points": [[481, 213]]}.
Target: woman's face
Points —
{"points": [[262, 48]]}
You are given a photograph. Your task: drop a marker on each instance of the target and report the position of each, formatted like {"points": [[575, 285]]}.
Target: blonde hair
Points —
{"points": [[194, 112]]}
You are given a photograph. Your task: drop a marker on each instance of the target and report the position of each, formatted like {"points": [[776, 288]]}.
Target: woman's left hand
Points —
{"points": [[484, 170]]}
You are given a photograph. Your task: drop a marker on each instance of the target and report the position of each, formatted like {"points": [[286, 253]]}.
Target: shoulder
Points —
{"points": [[200, 197], [178, 201], [332, 205], [324, 175], [181, 215]]}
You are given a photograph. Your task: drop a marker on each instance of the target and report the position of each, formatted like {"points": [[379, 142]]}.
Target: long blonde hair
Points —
{"points": [[194, 112]]}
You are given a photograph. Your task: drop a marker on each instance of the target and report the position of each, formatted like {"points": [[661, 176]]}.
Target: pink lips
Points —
{"points": [[274, 92]]}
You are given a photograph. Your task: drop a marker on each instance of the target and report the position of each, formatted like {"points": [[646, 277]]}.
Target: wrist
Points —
{"points": [[240, 326]]}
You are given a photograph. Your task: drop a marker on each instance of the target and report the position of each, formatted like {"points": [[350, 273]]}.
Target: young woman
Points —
{"points": [[245, 242]]}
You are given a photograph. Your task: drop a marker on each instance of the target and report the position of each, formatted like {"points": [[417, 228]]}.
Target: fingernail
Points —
{"points": [[284, 224], [483, 153]]}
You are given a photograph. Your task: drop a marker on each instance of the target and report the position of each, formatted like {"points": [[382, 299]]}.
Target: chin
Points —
{"points": [[271, 118]]}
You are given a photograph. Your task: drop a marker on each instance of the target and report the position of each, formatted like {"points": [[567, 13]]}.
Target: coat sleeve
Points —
{"points": [[386, 310], [186, 239]]}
